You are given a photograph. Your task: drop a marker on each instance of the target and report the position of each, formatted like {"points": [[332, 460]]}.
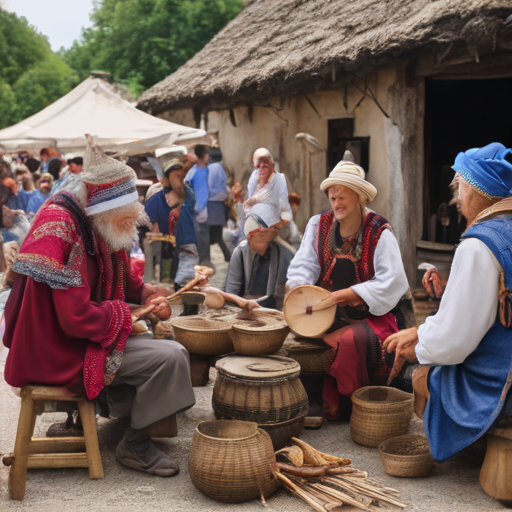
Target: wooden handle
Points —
{"points": [[325, 304]]}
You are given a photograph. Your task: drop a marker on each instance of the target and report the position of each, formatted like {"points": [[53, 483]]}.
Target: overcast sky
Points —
{"points": [[60, 20]]}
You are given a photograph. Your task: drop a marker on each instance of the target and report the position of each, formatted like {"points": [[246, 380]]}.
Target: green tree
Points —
{"points": [[31, 75], [140, 42]]}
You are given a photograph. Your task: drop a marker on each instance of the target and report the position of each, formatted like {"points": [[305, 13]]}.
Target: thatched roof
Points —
{"points": [[285, 47]]}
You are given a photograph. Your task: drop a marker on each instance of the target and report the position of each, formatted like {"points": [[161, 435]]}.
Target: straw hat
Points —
{"points": [[348, 174]]}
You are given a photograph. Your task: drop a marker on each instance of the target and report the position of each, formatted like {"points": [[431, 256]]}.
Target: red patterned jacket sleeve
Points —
{"points": [[106, 325]]}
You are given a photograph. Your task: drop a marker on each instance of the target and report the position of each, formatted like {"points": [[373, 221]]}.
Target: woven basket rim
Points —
{"points": [[408, 399], [227, 439], [178, 322], [263, 329], [384, 446]]}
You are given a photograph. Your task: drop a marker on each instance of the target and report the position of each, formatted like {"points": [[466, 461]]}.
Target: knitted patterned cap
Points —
{"points": [[109, 183]]}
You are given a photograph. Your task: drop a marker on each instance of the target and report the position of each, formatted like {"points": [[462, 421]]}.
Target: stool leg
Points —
{"points": [[92, 447], [18, 471], [494, 475]]}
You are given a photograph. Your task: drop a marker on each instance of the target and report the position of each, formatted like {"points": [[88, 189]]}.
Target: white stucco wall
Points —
{"points": [[275, 129]]}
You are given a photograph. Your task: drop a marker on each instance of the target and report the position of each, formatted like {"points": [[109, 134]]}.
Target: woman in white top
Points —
{"points": [[352, 252]]}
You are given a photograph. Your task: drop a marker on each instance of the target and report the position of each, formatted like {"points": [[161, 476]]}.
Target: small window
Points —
{"points": [[341, 138]]}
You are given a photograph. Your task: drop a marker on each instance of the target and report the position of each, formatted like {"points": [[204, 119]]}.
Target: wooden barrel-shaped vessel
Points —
{"points": [[232, 461], [264, 389]]}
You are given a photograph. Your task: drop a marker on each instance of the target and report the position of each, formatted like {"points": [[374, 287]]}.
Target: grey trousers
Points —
{"points": [[202, 241], [160, 372]]}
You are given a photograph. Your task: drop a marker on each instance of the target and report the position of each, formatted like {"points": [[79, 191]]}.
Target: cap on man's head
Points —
{"points": [[253, 223], [108, 182], [77, 160], [174, 164]]}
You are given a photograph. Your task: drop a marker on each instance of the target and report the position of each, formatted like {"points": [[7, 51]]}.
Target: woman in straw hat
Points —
{"points": [[352, 252]]}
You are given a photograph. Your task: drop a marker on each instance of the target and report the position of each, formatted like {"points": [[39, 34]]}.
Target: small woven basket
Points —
{"points": [[203, 336], [379, 413], [232, 461], [258, 337], [406, 456], [310, 356]]}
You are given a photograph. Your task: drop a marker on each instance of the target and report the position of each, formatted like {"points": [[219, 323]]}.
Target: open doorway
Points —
{"points": [[459, 114]]}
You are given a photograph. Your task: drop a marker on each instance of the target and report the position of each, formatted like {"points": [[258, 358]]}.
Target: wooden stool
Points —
{"points": [[494, 476], [49, 452]]}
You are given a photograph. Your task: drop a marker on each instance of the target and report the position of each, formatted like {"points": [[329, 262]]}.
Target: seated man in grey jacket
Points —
{"points": [[258, 266]]}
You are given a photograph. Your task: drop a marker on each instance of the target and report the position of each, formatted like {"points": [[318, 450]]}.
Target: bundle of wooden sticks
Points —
{"points": [[326, 482]]}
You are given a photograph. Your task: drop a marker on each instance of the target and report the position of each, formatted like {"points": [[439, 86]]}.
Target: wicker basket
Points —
{"points": [[281, 433], [203, 336], [264, 389], [310, 356], [379, 413], [258, 337], [406, 456], [232, 461]]}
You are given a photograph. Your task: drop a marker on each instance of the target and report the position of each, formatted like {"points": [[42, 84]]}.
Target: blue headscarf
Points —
{"points": [[487, 169]]}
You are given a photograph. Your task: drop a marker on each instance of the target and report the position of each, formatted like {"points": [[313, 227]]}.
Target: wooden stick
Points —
{"points": [[327, 502], [371, 491], [345, 498], [297, 490], [365, 500]]}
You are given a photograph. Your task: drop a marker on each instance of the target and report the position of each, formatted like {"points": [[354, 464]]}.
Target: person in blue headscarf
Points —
{"points": [[465, 350]]}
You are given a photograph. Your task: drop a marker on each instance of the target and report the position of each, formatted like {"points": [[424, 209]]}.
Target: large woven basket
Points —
{"points": [[247, 389], [258, 337], [203, 336], [406, 456], [232, 461], [379, 413]]}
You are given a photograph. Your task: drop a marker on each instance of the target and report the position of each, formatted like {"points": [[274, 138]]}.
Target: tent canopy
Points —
{"points": [[94, 108]]}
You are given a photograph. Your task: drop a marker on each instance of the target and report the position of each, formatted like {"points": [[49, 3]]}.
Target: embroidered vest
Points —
{"points": [[373, 226]]}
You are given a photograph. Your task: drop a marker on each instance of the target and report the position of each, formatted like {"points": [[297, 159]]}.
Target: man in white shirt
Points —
{"points": [[466, 349]]}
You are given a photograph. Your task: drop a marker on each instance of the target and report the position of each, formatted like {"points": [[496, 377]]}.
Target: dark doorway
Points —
{"points": [[341, 138], [459, 114]]}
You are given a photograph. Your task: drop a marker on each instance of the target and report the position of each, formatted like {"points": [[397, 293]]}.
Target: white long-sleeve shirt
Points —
{"points": [[381, 293], [271, 210], [468, 308]]}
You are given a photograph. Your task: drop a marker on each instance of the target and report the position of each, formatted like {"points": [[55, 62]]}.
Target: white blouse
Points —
{"points": [[271, 210], [381, 293], [468, 308]]}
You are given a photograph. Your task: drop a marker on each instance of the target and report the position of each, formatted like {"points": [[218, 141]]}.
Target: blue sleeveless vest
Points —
{"points": [[466, 399]]}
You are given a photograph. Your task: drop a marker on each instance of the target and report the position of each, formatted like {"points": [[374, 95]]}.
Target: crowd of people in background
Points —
{"points": [[194, 206]]}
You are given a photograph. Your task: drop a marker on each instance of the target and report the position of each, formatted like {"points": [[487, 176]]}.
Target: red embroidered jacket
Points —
{"points": [[67, 321]]}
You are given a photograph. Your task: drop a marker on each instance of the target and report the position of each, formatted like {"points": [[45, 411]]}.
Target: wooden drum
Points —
{"points": [[265, 390]]}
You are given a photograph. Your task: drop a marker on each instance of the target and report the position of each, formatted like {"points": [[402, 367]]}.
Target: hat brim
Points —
{"points": [[362, 187]]}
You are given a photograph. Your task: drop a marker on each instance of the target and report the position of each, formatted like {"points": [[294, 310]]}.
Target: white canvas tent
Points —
{"points": [[93, 107]]}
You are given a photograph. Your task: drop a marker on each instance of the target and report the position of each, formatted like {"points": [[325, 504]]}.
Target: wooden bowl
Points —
{"points": [[406, 456]]}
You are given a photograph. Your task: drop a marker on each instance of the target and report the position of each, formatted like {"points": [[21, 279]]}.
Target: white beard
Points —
{"points": [[116, 239]]}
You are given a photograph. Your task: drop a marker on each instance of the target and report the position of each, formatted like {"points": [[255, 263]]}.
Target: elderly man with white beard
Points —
{"points": [[68, 322]]}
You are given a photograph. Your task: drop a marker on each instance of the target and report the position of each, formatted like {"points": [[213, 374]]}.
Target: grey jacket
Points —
{"points": [[241, 266]]}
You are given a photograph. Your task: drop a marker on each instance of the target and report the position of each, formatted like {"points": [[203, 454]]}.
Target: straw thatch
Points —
{"points": [[286, 47]]}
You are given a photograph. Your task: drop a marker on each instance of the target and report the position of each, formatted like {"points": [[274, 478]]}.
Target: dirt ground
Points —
{"points": [[452, 486]]}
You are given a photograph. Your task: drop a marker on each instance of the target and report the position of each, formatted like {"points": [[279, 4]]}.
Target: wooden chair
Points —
{"points": [[50, 452], [495, 473]]}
